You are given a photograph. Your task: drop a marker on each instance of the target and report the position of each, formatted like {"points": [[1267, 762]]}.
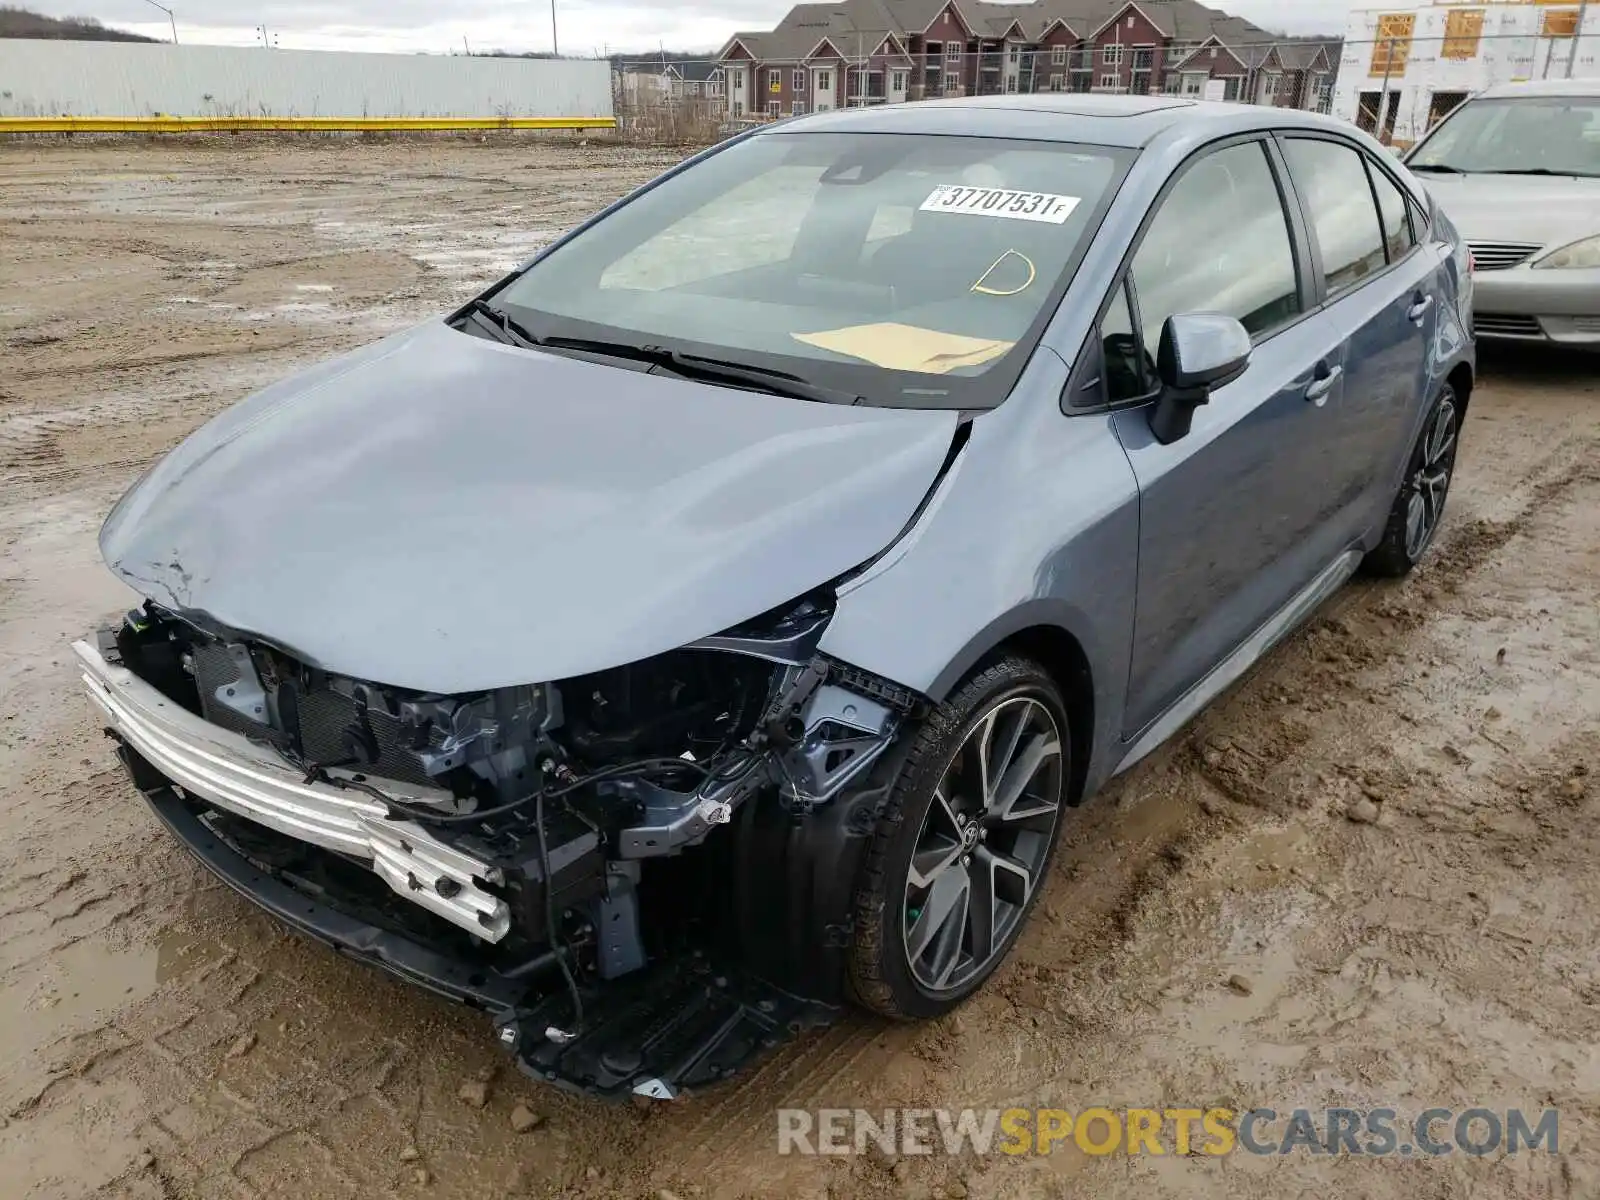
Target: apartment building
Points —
{"points": [[856, 52]]}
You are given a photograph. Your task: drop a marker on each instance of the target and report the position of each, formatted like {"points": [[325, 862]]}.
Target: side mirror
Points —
{"points": [[1198, 352]]}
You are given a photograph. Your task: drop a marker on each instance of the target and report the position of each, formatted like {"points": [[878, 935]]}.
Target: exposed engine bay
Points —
{"points": [[588, 833]]}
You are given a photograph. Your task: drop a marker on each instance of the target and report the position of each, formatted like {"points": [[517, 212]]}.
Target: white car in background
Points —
{"points": [[1517, 168]]}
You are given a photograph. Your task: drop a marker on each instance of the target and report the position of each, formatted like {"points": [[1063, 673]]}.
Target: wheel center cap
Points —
{"points": [[970, 835]]}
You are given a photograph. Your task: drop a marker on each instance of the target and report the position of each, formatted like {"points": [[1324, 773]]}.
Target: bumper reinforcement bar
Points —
{"points": [[233, 773]]}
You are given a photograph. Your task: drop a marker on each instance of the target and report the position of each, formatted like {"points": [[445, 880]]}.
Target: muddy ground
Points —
{"points": [[159, 1038]]}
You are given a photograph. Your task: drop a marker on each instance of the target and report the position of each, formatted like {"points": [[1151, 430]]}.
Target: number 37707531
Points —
{"points": [[1000, 202]]}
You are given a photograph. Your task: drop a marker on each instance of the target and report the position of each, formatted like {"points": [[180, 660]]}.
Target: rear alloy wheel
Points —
{"points": [[1419, 508], [958, 863]]}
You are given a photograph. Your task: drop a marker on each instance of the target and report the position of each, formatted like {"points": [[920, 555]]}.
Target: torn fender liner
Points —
{"points": [[449, 514]]}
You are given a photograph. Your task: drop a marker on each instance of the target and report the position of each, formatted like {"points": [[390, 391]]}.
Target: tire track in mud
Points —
{"points": [[114, 366]]}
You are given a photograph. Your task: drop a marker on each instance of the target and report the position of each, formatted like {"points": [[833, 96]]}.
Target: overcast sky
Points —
{"points": [[585, 26]]}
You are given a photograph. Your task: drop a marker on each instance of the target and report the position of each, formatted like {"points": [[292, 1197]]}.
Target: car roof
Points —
{"points": [[1088, 119], [1543, 87]]}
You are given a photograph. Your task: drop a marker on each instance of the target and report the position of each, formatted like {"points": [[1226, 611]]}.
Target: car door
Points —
{"points": [[1381, 292], [1231, 516]]}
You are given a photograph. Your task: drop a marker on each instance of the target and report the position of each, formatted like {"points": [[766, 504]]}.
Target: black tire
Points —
{"points": [[1426, 484], [881, 975]]}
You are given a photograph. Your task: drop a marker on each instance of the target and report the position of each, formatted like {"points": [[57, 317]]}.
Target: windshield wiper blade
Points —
{"points": [[711, 370], [1545, 171], [502, 322], [1440, 168]]}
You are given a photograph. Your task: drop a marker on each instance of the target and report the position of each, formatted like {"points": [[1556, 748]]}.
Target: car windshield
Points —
{"points": [[1555, 135], [907, 270]]}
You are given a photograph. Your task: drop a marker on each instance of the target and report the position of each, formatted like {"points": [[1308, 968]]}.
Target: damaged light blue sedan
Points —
{"points": [[715, 621]]}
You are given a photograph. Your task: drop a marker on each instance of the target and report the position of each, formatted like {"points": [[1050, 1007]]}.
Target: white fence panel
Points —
{"points": [[113, 79]]}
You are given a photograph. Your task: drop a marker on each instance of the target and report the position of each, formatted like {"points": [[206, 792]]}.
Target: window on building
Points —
{"points": [[1057, 81], [799, 80], [1392, 47], [898, 81], [1108, 81], [1111, 54], [798, 108], [1333, 183], [1219, 243], [1559, 23], [824, 81], [1015, 53], [738, 108], [1011, 83], [774, 108], [1463, 28], [1058, 56], [952, 52], [1143, 58], [774, 80]]}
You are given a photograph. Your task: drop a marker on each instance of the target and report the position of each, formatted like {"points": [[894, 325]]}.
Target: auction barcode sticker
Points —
{"points": [[1000, 202]]}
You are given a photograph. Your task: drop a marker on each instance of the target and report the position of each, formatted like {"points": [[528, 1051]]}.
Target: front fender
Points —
{"points": [[1035, 524]]}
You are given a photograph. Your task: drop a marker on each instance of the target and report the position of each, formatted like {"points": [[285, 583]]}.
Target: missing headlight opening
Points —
{"points": [[559, 838]]}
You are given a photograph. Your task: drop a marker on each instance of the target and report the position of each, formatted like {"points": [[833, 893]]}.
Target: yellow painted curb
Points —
{"points": [[301, 124]]}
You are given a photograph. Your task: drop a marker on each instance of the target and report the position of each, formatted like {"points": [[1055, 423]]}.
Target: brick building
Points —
{"points": [[855, 52]]}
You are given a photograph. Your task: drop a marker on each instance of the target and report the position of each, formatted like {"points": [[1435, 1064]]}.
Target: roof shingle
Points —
{"points": [[852, 23]]}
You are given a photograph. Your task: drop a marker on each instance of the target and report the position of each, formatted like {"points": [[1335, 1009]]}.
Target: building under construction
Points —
{"points": [[1403, 69]]}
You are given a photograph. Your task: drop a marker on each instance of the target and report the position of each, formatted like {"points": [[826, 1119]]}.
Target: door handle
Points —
{"points": [[1322, 385], [1416, 311]]}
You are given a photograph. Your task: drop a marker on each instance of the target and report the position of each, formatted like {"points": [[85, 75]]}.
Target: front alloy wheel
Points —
{"points": [[983, 844], [957, 863]]}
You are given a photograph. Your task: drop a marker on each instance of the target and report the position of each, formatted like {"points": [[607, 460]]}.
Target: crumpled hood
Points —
{"points": [[441, 512], [1548, 210]]}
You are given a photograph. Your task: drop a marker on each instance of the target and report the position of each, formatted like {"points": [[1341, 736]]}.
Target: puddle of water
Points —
{"points": [[78, 985], [298, 310], [474, 253]]}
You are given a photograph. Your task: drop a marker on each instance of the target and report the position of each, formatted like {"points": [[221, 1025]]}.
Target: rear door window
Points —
{"points": [[1398, 236], [1332, 181]]}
